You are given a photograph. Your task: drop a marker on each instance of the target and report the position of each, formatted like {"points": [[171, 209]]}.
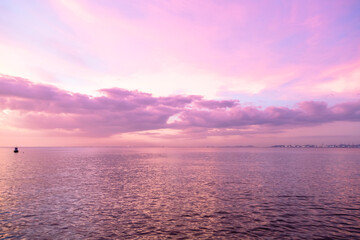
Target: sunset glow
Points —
{"points": [[179, 73]]}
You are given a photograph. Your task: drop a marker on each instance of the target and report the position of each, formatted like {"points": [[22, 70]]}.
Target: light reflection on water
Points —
{"points": [[117, 193]]}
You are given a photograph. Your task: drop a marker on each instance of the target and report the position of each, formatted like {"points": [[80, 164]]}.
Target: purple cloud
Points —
{"points": [[119, 111]]}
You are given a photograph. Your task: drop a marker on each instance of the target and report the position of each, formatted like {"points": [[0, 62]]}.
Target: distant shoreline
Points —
{"points": [[317, 146], [236, 146]]}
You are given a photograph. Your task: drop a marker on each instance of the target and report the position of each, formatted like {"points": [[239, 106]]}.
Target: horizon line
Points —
{"points": [[341, 145]]}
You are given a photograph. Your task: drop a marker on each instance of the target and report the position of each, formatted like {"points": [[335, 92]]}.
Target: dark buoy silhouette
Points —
{"points": [[16, 150]]}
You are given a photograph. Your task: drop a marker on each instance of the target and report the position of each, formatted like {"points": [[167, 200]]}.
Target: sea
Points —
{"points": [[179, 193]]}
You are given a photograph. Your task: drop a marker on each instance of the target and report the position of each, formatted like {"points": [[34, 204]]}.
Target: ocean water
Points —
{"points": [[179, 193]]}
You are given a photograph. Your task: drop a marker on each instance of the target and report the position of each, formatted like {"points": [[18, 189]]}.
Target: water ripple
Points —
{"points": [[179, 194]]}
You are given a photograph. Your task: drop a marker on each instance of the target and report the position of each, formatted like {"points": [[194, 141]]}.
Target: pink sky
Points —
{"points": [[179, 73]]}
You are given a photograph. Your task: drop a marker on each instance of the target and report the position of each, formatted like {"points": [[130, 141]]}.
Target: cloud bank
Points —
{"points": [[29, 105]]}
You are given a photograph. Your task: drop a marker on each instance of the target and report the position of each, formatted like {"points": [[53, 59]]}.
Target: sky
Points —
{"points": [[179, 73]]}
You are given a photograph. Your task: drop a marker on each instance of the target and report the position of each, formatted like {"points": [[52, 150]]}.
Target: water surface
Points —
{"points": [[181, 193]]}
